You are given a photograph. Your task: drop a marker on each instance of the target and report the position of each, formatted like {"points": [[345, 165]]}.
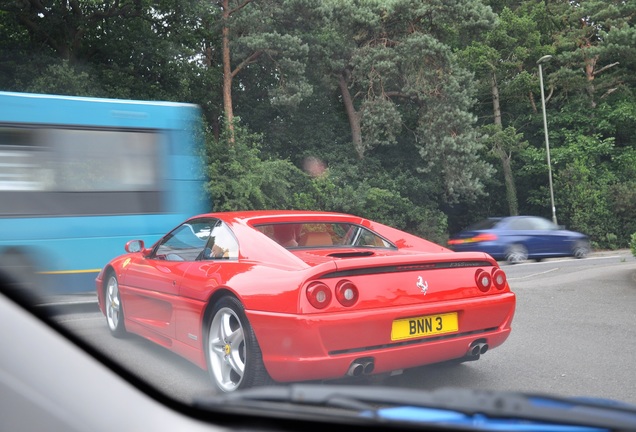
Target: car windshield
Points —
{"points": [[244, 214]]}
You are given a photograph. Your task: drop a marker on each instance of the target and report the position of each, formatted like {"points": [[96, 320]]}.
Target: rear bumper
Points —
{"points": [[324, 346]]}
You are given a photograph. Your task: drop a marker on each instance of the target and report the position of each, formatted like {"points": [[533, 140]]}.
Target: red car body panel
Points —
{"points": [[166, 301], [318, 347]]}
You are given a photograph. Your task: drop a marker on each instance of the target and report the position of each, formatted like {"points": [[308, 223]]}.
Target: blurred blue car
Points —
{"points": [[518, 238]]}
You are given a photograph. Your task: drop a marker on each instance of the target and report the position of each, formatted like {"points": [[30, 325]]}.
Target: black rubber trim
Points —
{"points": [[406, 268]]}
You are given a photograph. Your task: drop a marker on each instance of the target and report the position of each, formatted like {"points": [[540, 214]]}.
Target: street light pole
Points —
{"points": [[544, 59]]}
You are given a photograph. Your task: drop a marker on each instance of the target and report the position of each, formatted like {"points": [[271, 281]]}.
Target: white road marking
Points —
{"points": [[562, 260], [535, 274]]}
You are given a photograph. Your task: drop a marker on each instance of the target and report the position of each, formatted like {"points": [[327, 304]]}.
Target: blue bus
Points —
{"points": [[81, 176]]}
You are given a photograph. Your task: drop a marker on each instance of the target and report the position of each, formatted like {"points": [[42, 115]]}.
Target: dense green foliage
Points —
{"points": [[423, 114]]}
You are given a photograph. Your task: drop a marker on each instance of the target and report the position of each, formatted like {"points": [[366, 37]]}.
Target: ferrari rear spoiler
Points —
{"points": [[404, 263]]}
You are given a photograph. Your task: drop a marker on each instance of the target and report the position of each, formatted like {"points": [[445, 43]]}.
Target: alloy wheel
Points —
{"points": [[227, 349]]}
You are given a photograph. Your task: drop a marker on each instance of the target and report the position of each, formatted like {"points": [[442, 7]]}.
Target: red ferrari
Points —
{"points": [[262, 296]]}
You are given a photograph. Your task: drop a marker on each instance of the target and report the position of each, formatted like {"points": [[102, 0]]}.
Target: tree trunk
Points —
{"points": [[353, 115], [227, 72], [590, 65], [509, 180], [496, 107], [511, 190]]}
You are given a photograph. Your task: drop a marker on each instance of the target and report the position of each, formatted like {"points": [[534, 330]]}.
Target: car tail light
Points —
{"points": [[477, 239], [483, 279], [499, 278], [346, 293], [319, 295], [484, 238]]}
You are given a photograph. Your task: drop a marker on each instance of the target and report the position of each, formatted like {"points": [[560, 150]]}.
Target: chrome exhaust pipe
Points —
{"points": [[477, 348], [362, 366], [356, 369]]}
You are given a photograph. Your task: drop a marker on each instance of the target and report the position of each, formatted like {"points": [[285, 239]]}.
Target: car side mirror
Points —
{"points": [[134, 246]]}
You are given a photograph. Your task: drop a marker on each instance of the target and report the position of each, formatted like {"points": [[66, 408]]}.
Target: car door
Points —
{"points": [[218, 262], [554, 240], [151, 295], [522, 230]]}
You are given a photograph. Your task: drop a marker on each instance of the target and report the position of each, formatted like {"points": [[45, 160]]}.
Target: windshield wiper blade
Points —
{"points": [[423, 407]]}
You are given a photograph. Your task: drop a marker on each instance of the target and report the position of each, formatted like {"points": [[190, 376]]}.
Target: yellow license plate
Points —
{"points": [[428, 325]]}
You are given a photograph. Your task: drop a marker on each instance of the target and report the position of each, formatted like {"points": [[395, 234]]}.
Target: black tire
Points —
{"points": [[581, 249], [22, 276], [232, 352], [516, 253], [113, 306]]}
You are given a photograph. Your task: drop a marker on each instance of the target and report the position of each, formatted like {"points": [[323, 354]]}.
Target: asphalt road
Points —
{"points": [[574, 334]]}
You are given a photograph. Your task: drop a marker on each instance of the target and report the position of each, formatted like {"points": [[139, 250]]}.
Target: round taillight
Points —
{"points": [[483, 280], [346, 293], [319, 295], [499, 278]]}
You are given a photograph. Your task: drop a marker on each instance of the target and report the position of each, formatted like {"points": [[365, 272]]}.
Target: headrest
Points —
{"points": [[315, 239]]}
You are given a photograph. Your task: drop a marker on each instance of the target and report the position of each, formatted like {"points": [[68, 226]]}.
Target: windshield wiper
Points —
{"points": [[450, 407]]}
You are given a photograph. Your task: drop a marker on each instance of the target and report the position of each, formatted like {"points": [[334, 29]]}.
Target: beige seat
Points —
{"points": [[315, 239]]}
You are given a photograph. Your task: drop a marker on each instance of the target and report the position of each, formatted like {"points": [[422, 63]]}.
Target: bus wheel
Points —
{"points": [[22, 276], [113, 306]]}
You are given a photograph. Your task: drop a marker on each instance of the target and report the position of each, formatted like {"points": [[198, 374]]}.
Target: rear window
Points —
{"points": [[317, 234], [483, 225]]}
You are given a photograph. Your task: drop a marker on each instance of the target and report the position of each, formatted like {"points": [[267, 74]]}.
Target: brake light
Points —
{"points": [[483, 280], [477, 239], [319, 295], [485, 237], [499, 278], [346, 293]]}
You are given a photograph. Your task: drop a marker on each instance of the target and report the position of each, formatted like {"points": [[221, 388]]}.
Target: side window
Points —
{"points": [[521, 224], [221, 244], [368, 238], [79, 160], [543, 224], [184, 243]]}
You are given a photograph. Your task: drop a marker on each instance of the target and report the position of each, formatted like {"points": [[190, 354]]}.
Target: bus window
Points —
{"points": [[47, 159]]}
